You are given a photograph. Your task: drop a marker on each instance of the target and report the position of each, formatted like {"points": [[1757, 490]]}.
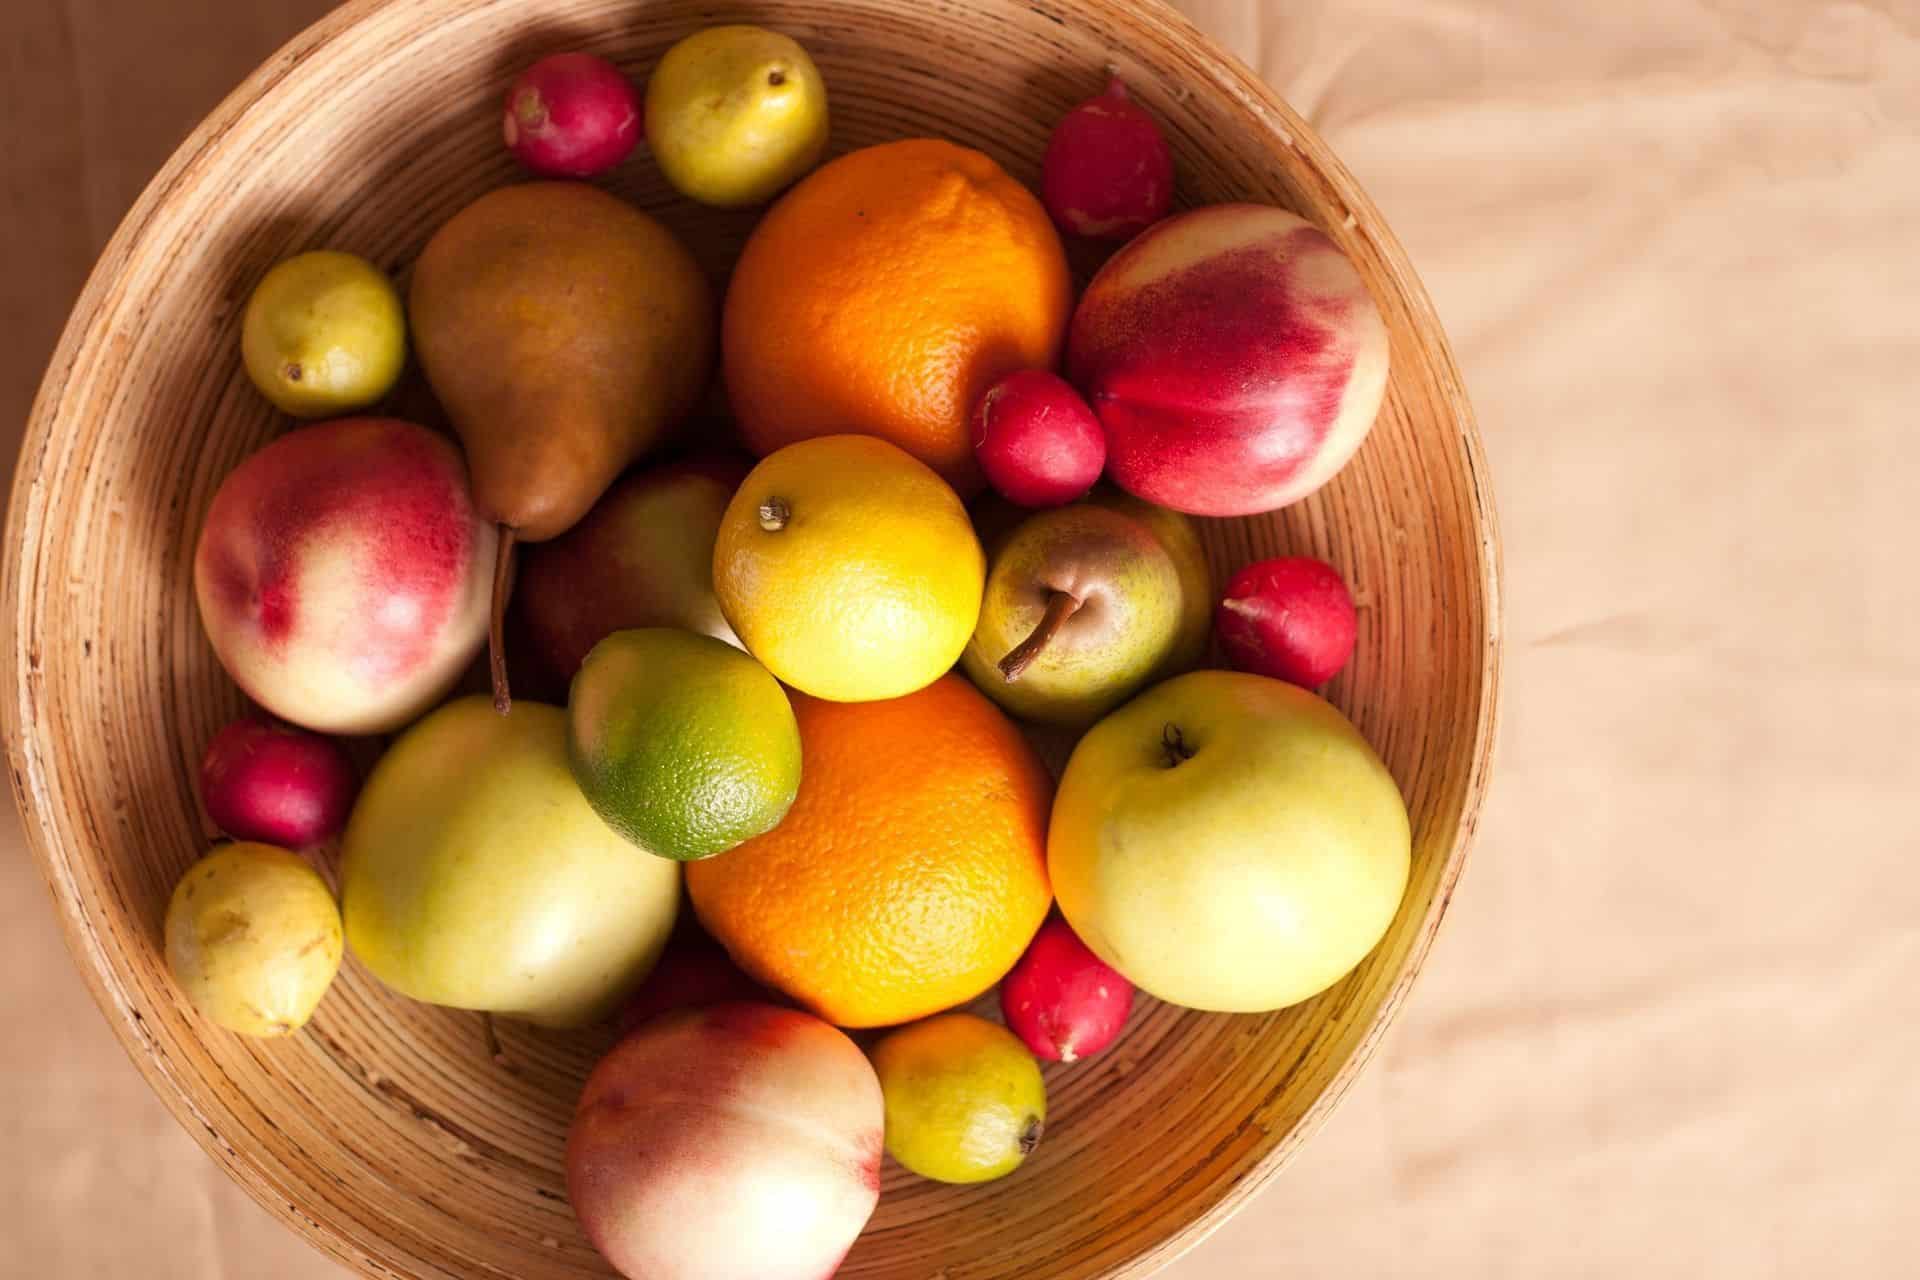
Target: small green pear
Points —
{"points": [[475, 874], [1083, 606]]}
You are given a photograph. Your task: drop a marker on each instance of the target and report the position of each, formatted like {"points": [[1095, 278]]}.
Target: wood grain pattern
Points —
{"points": [[384, 1133]]}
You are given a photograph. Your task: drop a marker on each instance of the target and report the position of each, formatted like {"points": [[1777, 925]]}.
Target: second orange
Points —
{"points": [[884, 294]]}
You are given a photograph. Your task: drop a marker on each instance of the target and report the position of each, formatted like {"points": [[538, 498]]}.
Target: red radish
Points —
{"points": [[1037, 440], [572, 116], [740, 1142], [694, 972], [1063, 1000], [1108, 173], [1291, 618], [276, 784]]}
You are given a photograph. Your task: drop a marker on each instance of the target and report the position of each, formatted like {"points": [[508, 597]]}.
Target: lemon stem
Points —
{"points": [[774, 514], [497, 622], [1061, 605]]}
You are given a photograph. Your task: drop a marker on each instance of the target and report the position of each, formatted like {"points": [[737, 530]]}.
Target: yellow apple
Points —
{"points": [[1229, 842]]}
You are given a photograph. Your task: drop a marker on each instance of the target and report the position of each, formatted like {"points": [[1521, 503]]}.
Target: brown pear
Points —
{"points": [[565, 332]]}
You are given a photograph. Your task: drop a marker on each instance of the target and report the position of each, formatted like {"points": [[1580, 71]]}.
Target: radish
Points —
{"points": [[572, 115], [277, 785], [1063, 1000], [1291, 618], [1108, 173], [1037, 440]]}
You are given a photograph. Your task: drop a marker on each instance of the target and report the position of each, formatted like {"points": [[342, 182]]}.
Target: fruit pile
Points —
{"points": [[793, 691]]}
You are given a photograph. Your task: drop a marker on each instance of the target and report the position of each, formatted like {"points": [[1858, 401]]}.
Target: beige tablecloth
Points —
{"points": [[1670, 1026]]}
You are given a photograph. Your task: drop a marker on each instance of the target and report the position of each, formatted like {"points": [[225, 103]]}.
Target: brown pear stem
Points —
{"points": [[1061, 605], [497, 622]]}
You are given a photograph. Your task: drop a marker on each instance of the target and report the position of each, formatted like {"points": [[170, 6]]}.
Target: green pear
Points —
{"points": [[1083, 605], [1181, 537], [476, 875]]}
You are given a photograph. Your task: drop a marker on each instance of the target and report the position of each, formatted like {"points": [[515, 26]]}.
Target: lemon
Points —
{"points": [[849, 568], [324, 334], [682, 743], [253, 937], [736, 113], [964, 1098]]}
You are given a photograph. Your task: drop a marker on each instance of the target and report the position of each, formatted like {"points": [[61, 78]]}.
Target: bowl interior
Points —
{"points": [[385, 1132]]}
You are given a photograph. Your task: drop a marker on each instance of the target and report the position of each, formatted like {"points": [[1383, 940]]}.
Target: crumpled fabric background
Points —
{"points": [[1670, 1026]]}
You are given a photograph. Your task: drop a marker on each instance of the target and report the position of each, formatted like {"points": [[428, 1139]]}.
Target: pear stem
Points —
{"points": [[497, 622], [1061, 605]]}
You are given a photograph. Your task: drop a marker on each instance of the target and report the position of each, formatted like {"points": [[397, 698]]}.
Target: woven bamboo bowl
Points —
{"points": [[384, 1133]]}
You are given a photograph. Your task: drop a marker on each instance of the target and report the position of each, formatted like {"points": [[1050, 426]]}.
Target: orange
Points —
{"points": [[911, 871], [885, 294]]}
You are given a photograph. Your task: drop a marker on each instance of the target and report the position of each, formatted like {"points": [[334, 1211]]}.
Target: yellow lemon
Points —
{"points": [[324, 334], [736, 113], [965, 1101], [850, 569]]}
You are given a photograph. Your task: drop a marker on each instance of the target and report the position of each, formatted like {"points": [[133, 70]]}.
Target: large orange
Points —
{"points": [[911, 871], [884, 294]]}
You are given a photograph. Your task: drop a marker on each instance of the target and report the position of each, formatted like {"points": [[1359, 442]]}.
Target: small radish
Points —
{"points": [[1036, 439], [1063, 1000], [693, 972], [1108, 173], [572, 115], [1290, 618], [277, 785]]}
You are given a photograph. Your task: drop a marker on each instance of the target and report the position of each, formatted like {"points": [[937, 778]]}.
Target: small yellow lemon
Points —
{"points": [[850, 569], [965, 1101], [253, 937], [736, 113], [324, 334]]}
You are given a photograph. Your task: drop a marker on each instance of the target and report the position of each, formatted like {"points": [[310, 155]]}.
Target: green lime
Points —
{"points": [[325, 333], [964, 1098], [682, 743]]}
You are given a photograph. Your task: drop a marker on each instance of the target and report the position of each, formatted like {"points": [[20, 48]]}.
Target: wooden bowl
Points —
{"points": [[384, 1133]]}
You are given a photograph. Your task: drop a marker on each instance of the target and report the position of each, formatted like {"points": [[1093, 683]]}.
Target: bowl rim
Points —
{"points": [[19, 648]]}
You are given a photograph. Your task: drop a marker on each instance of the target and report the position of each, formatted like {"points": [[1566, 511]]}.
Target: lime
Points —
{"points": [[324, 334], [683, 744], [253, 938], [964, 1098], [736, 113]]}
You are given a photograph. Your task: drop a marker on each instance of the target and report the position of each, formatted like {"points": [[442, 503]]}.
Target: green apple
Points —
{"points": [[475, 874], [1229, 842]]}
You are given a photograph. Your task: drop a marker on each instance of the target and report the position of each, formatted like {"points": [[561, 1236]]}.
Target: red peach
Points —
{"points": [[1234, 357], [1037, 440], [1108, 173], [343, 574], [1064, 1001], [740, 1142], [571, 115], [277, 785], [1290, 618]]}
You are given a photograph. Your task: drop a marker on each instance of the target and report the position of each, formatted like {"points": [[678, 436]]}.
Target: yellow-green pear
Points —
{"points": [[476, 875]]}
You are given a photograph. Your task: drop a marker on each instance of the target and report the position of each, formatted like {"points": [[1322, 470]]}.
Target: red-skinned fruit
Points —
{"points": [[571, 115], [1037, 440], [694, 972], [1235, 358], [740, 1142], [1108, 173], [277, 785], [1065, 1002], [1291, 618]]}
